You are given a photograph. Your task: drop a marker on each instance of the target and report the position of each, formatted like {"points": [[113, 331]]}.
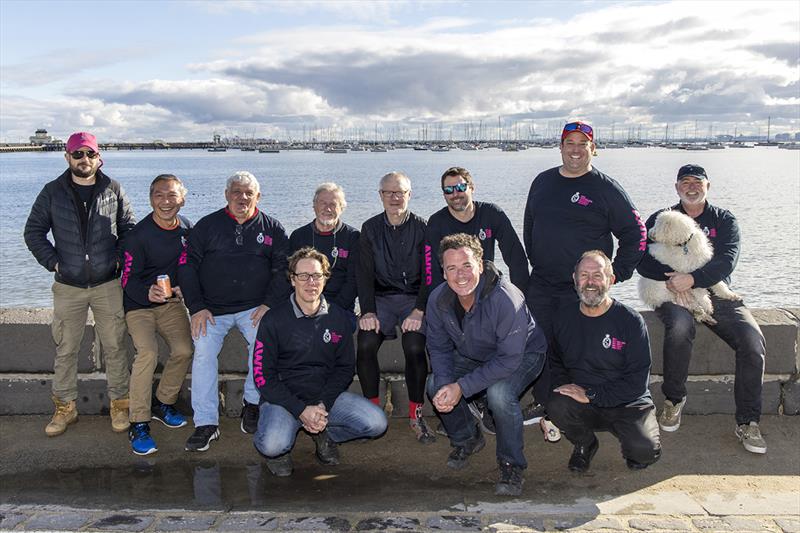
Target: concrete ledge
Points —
{"points": [[27, 351]]}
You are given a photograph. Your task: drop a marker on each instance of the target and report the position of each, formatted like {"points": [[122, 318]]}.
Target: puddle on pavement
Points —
{"points": [[211, 486]]}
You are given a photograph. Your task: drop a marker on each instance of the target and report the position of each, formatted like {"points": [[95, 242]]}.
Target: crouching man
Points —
{"points": [[481, 337], [600, 365], [303, 362]]}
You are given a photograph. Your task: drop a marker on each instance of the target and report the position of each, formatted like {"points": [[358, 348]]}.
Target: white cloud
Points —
{"points": [[640, 63]]}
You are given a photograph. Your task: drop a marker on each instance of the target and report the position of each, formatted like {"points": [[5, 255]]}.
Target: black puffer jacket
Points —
{"points": [[86, 248]]}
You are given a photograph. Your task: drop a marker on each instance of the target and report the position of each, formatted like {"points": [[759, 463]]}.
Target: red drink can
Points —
{"points": [[163, 282]]}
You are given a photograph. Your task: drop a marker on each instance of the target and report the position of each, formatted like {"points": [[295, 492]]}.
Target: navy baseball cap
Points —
{"points": [[692, 170]]}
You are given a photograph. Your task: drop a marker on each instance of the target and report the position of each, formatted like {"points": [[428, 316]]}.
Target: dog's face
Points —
{"points": [[673, 228]]}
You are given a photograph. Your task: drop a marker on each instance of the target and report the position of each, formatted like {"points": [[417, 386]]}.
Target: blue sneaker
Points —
{"points": [[141, 441], [167, 415]]}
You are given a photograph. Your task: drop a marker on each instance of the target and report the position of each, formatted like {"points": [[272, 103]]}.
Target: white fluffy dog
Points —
{"points": [[679, 243]]}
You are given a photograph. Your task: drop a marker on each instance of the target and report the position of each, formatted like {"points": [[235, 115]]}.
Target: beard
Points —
{"points": [[592, 298], [83, 171]]}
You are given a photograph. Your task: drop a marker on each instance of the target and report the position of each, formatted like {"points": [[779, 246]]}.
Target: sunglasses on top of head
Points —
{"points": [[450, 189], [579, 126], [80, 154]]}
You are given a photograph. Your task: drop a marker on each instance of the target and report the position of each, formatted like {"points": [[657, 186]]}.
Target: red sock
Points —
{"points": [[376, 400], [414, 410]]}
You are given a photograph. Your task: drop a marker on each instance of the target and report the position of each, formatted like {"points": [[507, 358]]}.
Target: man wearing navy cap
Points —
{"points": [[89, 215], [735, 325]]}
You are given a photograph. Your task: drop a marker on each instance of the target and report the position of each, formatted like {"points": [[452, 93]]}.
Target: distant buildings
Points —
{"points": [[41, 138]]}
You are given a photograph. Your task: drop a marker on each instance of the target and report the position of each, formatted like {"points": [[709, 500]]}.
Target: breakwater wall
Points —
{"points": [[27, 350]]}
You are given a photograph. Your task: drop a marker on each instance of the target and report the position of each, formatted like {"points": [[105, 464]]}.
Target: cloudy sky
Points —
{"points": [[184, 70]]}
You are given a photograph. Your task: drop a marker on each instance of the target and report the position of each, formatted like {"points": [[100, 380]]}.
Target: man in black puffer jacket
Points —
{"points": [[88, 214]]}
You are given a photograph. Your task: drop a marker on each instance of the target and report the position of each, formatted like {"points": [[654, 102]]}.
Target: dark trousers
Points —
{"points": [[636, 427], [736, 326], [543, 307], [503, 398]]}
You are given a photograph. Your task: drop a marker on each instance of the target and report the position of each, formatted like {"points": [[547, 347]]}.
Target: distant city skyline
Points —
{"points": [[133, 71]]}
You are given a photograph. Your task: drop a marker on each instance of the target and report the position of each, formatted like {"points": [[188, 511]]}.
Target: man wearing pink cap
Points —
{"points": [[88, 214], [573, 208]]}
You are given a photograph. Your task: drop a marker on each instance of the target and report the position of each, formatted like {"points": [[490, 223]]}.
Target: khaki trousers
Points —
{"points": [[171, 321], [70, 310]]}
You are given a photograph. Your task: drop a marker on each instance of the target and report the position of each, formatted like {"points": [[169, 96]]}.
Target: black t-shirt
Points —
{"points": [[84, 193]]}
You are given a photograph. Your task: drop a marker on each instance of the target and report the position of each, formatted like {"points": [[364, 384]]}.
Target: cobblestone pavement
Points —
{"points": [[88, 480], [31, 518]]}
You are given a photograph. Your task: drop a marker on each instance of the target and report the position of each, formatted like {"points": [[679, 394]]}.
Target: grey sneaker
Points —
{"points": [[533, 413], [750, 437], [670, 418]]}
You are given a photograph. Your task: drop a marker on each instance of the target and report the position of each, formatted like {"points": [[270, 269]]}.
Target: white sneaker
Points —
{"points": [[670, 418], [550, 430], [750, 437]]}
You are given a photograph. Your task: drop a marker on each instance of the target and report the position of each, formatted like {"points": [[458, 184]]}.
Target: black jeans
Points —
{"points": [[543, 307], [636, 427], [736, 326]]}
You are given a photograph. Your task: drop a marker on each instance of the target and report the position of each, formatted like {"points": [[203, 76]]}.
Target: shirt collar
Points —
{"points": [[298, 313]]}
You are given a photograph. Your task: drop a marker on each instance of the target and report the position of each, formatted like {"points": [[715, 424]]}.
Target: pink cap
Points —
{"points": [[82, 138]]}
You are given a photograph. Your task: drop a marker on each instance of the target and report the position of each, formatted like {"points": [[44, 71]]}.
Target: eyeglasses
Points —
{"points": [[305, 276], [80, 154], [450, 189], [395, 194], [579, 126], [239, 236]]}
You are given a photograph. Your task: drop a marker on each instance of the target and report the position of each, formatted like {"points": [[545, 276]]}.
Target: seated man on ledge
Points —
{"points": [[303, 362], [481, 337], [600, 366]]}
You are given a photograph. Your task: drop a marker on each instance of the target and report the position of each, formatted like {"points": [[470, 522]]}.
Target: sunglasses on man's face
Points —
{"points": [[450, 189], [80, 154]]}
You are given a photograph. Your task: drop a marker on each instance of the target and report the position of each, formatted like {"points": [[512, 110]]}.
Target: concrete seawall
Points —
{"points": [[27, 351]]}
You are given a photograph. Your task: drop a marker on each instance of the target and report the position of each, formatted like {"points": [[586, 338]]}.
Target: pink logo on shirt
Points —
{"points": [[126, 268], [710, 232], [335, 337], [428, 267], [642, 231], [343, 253], [258, 364], [580, 199], [617, 344]]}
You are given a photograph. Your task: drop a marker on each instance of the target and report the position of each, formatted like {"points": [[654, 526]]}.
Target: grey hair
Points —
{"points": [[608, 266], [396, 175], [243, 177], [329, 186]]}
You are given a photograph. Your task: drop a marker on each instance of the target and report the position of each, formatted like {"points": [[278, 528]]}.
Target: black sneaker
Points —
{"points": [[533, 413], [511, 480], [201, 438], [582, 456], [460, 454], [250, 414], [480, 410], [280, 466], [327, 450]]}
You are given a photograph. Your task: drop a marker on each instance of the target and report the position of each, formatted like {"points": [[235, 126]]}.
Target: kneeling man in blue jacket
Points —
{"points": [[303, 362], [481, 337]]}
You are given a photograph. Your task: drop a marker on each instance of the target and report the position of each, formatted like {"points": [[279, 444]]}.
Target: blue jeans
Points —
{"points": [[351, 417], [503, 397], [205, 366], [737, 327]]}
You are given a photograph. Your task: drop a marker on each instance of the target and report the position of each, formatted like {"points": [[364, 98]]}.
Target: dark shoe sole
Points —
{"points": [[592, 452], [459, 466], [214, 437]]}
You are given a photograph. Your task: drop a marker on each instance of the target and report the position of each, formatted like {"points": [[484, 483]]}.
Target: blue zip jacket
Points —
{"points": [[497, 331]]}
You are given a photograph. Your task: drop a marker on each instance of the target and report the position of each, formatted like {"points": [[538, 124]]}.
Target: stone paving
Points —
{"points": [[31, 518]]}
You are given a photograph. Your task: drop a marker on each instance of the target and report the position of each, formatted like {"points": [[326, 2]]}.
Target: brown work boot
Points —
{"points": [[66, 413], [119, 415]]}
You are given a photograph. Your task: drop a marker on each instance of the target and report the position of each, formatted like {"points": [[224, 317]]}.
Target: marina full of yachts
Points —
{"points": [[344, 147]]}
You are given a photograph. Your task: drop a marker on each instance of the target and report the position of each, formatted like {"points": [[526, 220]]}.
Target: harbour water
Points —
{"points": [[760, 186]]}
